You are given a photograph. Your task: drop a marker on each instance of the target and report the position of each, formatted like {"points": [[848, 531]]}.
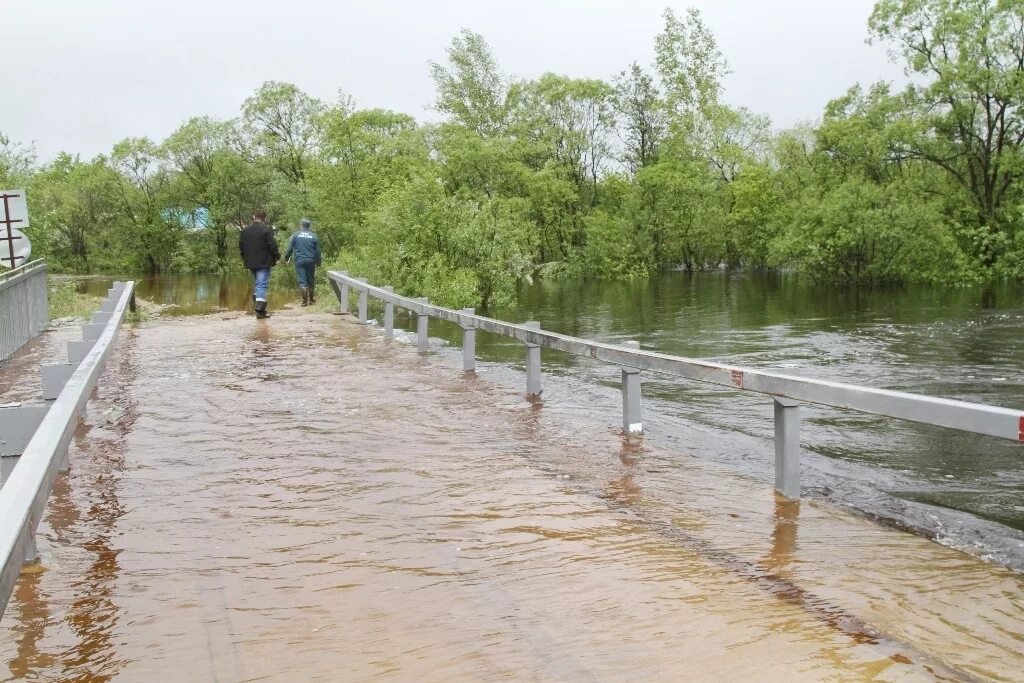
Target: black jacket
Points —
{"points": [[258, 247]]}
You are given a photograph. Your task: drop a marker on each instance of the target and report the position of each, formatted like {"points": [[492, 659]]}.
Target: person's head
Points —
{"points": [[259, 215], [305, 224]]}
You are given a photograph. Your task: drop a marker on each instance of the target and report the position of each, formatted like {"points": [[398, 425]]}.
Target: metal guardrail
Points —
{"points": [[23, 307], [787, 391], [24, 494]]}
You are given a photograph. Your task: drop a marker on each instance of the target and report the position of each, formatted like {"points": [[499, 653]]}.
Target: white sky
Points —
{"points": [[82, 74]]}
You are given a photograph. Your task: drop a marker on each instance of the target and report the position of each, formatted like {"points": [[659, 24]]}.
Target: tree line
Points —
{"points": [[563, 176]]}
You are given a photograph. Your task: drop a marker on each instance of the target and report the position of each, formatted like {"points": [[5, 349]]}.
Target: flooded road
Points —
{"points": [[964, 343], [301, 500]]}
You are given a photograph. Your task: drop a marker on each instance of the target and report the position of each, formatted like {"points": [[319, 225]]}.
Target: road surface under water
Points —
{"points": [[298, 499], [965, 343]]}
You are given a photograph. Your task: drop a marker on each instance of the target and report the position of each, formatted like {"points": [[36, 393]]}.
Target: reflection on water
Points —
{"points": [[787, 512], [299, 500], [30, 607], [198, 294], [625, 489]]}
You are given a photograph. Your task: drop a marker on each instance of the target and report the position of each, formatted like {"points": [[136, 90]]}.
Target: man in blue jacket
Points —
{"points": [[305, 247]]}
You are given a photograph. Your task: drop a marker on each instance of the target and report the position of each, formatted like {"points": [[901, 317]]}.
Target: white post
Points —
{"points": [[362, 302], [532, 363], [389, 316], [632, 421], [31, 551], [343, 294], [422, 327], [468, 344], [787, 447]]}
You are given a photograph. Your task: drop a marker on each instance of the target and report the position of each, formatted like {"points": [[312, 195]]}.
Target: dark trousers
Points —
{"points": [[305, 271]]}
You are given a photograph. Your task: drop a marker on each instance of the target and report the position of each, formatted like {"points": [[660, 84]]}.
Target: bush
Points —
{"points": [[65, 301]]}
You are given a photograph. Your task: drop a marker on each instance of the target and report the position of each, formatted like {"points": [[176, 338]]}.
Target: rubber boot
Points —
{"points": [[305, 295], [253, 303], [261, 310], [312, 299]]}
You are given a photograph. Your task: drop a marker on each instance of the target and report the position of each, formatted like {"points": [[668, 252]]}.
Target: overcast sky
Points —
{"points": [[82, 74]]}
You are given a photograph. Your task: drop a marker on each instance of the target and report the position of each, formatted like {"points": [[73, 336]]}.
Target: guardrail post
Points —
{"points": [[389, 316], [532, 363], [468, 343], [78, 350], [422, 327], [632, 420], [31, 551], [7, 463], [362, 302], [787, 447], [91, 332], [343, 294], [18, 424], [55, 376]]}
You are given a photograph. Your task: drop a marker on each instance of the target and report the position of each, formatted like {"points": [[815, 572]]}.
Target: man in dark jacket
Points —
{"points": [[306, 248], [260, 254]]}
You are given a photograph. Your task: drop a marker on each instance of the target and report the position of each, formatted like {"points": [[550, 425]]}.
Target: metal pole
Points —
{"points": [[532, 363], [468, 344], [362, 303], [343, 296], [31, 551], [787, 447], [389, 316], [632, 422], [422, 327]]}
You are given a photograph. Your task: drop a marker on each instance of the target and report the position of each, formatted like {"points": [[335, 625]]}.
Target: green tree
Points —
{"points": [[641, 117], [471, 88], [860, 232], [285, 124], [680, 208], [148, 235], [17, 162], [365, 154], [969, 58], [692, 69], [75, 215], [457, 252], [572, 120]]}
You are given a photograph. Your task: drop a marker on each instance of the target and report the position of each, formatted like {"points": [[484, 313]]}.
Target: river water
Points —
{"points": [[298, 499]]}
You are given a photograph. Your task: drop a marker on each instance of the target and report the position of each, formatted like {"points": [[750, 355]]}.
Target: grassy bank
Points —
{"points": [[66, 302]]}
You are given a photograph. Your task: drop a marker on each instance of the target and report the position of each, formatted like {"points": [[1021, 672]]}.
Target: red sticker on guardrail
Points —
{"points": [[737, 378], [1020, 434], [593, 352]]}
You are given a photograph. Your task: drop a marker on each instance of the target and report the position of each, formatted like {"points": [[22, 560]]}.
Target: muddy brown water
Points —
{"points": [[301, 500], [963, 343]]}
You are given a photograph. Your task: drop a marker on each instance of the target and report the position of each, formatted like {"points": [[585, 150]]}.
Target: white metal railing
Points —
{"points": [[787, 391], [27, 487], [23, 306]]}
